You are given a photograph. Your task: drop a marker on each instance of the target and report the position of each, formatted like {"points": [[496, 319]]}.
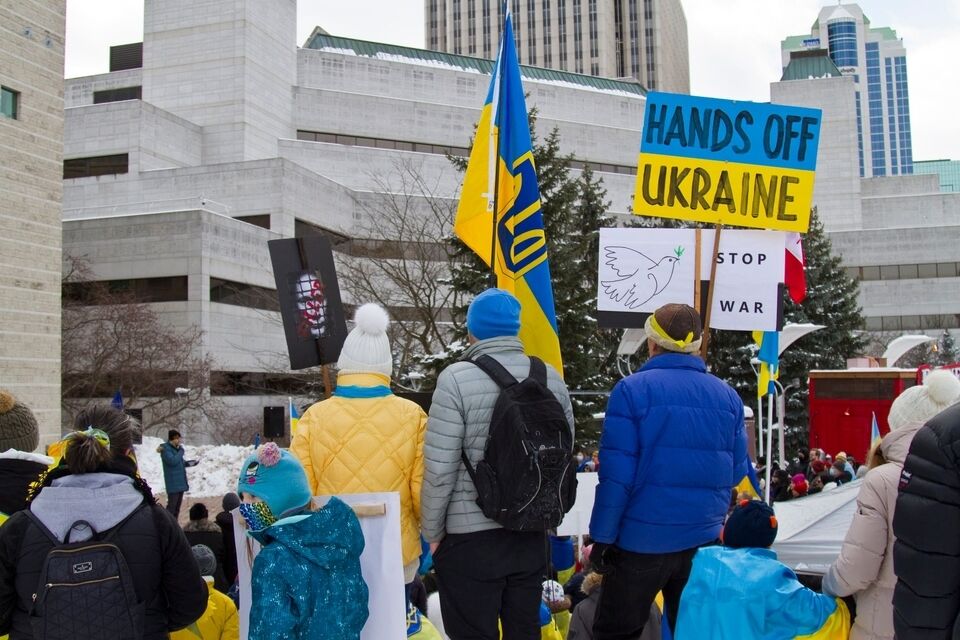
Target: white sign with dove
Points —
{"points": [[643, 269]]}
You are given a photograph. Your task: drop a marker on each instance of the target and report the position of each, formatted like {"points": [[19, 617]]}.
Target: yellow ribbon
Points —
{"points": [[663, 334]]}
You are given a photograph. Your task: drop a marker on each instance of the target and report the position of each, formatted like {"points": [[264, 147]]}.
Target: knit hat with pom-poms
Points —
{"points": [[276, 477], [18, 426]]}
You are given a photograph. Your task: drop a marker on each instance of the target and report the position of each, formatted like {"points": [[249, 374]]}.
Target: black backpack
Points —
{"points": [[527, 479], [85, 589]]}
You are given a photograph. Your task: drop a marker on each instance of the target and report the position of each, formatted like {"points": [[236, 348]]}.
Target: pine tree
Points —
{"points": [[947, 352]]}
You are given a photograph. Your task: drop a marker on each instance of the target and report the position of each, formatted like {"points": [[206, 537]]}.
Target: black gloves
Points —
{"points": [[600, 557]]}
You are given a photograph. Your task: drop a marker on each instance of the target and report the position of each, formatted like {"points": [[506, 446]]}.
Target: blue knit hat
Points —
{"points": [[276, 477], [752, 524], [493, 313]]}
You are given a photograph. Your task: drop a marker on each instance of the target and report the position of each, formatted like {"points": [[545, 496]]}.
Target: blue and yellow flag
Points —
{"points": [[500, 190], [769, 357], [294, 417]]}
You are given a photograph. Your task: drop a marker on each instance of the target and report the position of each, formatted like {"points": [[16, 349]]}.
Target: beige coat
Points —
{"points": [[865, 566]]}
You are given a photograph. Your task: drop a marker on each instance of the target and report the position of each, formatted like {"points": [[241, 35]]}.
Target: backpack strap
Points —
{"points": [[111, 534], [43, 528], [497, 372], [538, 370]]}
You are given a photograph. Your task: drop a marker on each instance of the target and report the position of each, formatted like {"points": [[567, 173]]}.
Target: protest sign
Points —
{"points": [[640, 270], [310, 306], [726, 162]]}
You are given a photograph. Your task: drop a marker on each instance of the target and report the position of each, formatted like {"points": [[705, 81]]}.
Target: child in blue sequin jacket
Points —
{"points": [[306, 580]]}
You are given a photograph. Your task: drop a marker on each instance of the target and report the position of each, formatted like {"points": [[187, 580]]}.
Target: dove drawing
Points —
{"points": [[639, 277]]}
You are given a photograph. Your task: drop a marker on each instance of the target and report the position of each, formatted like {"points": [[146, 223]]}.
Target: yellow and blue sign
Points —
{"points": [[500, 187], [726, 162]]}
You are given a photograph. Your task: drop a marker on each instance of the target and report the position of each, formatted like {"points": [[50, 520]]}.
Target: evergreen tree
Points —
{"points": [[831, 301], [947, 352]]}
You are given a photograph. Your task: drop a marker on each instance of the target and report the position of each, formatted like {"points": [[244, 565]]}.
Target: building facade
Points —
{"points": [[641, 39], [184, 160], [876, 59], [31, 186], [948, 172]]}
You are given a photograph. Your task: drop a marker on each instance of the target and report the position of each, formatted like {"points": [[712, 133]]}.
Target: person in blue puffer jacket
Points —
{"points": [[672, 448]]}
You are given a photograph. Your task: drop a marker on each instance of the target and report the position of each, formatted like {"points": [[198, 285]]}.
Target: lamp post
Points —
{"points": [[182, 393]]}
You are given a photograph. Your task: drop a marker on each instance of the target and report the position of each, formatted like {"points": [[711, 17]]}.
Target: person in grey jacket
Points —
{"points": [[485, 572]]}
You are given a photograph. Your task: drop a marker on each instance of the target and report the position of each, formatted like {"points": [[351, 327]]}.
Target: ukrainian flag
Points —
{"points": [[501, 193], [294, 418], [769, 356]]}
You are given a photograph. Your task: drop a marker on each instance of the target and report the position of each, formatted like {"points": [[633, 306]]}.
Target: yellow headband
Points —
{"points": [[655, 332]]}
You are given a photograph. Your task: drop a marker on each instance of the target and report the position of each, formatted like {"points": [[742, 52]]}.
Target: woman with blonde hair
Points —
{"points": [[864, 568]]}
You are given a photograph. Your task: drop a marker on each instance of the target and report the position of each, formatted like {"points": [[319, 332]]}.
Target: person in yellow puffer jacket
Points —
{"points": [[364, 439], [220, 621]]}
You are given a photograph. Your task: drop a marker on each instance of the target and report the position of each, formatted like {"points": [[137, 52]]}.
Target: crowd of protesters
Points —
{"points": [[683, 555]]}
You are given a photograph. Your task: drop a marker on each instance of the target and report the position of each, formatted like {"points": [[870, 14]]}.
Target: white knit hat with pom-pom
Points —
{"points": [[920, 403], [367, 348]]}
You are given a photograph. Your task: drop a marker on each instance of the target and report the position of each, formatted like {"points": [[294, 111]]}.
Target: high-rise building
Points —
{"points": [[641, 39], [877, 61], [31, 187], [948, 171]]}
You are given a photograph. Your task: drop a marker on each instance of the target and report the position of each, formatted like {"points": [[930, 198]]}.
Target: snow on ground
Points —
{"points": [[216, 474]]}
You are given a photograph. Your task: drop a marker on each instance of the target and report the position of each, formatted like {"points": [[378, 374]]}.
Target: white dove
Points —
{"points": [[640, 277]]}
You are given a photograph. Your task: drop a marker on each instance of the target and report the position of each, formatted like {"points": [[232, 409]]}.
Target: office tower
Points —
{"points": [[641, 39], [877, 61]]}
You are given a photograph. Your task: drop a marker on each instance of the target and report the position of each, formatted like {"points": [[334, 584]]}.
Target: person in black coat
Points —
{"points": [[19, 467], [224, 520], [926, 523], [97, 482], [201, 531]]}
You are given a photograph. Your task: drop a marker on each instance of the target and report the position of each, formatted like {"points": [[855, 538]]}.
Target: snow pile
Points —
{"points": [[216, 474]]}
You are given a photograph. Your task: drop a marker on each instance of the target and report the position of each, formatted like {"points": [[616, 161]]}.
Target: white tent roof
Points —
{"points": [[811, 529]]}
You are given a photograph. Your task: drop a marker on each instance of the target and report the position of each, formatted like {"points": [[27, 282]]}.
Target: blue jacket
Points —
{"points": [[174, 469], [746, 594], [672, 448], [306, 581]]}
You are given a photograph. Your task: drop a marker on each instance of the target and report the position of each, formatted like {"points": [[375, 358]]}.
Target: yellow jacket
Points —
{"points": [[364, 439], [219, 622]]}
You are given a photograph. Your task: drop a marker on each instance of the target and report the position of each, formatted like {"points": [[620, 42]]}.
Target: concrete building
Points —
{"points": [[877, 61], [185, 159], [641, 39], [31, 185], [896, 234]]}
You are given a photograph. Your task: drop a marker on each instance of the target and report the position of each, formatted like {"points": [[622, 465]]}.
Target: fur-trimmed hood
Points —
{"points": [[591, 583]]}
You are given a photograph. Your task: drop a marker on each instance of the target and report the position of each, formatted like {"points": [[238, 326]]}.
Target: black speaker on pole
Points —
{"points": [[273, 421]]}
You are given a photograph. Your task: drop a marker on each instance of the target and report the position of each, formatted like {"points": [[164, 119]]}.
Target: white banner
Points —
{"points": [[643, 269]]}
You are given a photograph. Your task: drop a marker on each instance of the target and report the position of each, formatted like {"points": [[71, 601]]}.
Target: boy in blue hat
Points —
{"points": [[740, 591]]}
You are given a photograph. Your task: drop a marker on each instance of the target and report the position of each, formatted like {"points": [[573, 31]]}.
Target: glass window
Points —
{"points": [[853, 272], [927, 270], [891, 323], [871, 273], [261, 220], [95, 166], [241, 294], [947, 270], [117, 95], [910, 322], [9, 103], [908, 271], [873, 324], [889, 272]]}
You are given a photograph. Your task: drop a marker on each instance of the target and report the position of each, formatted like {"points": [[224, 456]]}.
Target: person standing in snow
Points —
{"points": [[485, 572], [174, 471], [649, 518], [864, 568], [364, 439], [96, 483]]}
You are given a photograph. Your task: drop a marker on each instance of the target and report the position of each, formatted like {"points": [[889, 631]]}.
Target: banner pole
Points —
{"points": [[769, 444], [696, 272], [713, 287]]}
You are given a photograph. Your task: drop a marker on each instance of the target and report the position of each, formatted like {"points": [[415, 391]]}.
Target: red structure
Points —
{"points": [[842, 405]]}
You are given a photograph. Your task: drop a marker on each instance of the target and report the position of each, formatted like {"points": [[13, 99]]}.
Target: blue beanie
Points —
{"points": [[493, 313], [276, 477], [752, 524]]}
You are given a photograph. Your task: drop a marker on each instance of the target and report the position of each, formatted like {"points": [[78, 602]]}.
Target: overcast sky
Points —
{"points": [[734, 45]]}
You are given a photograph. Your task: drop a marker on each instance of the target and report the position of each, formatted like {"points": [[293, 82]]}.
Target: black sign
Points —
{"points": [[310, 305]]}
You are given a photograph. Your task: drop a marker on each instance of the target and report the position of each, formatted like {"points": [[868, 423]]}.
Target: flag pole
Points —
{"points": [[496, 205], [696, 272]]}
